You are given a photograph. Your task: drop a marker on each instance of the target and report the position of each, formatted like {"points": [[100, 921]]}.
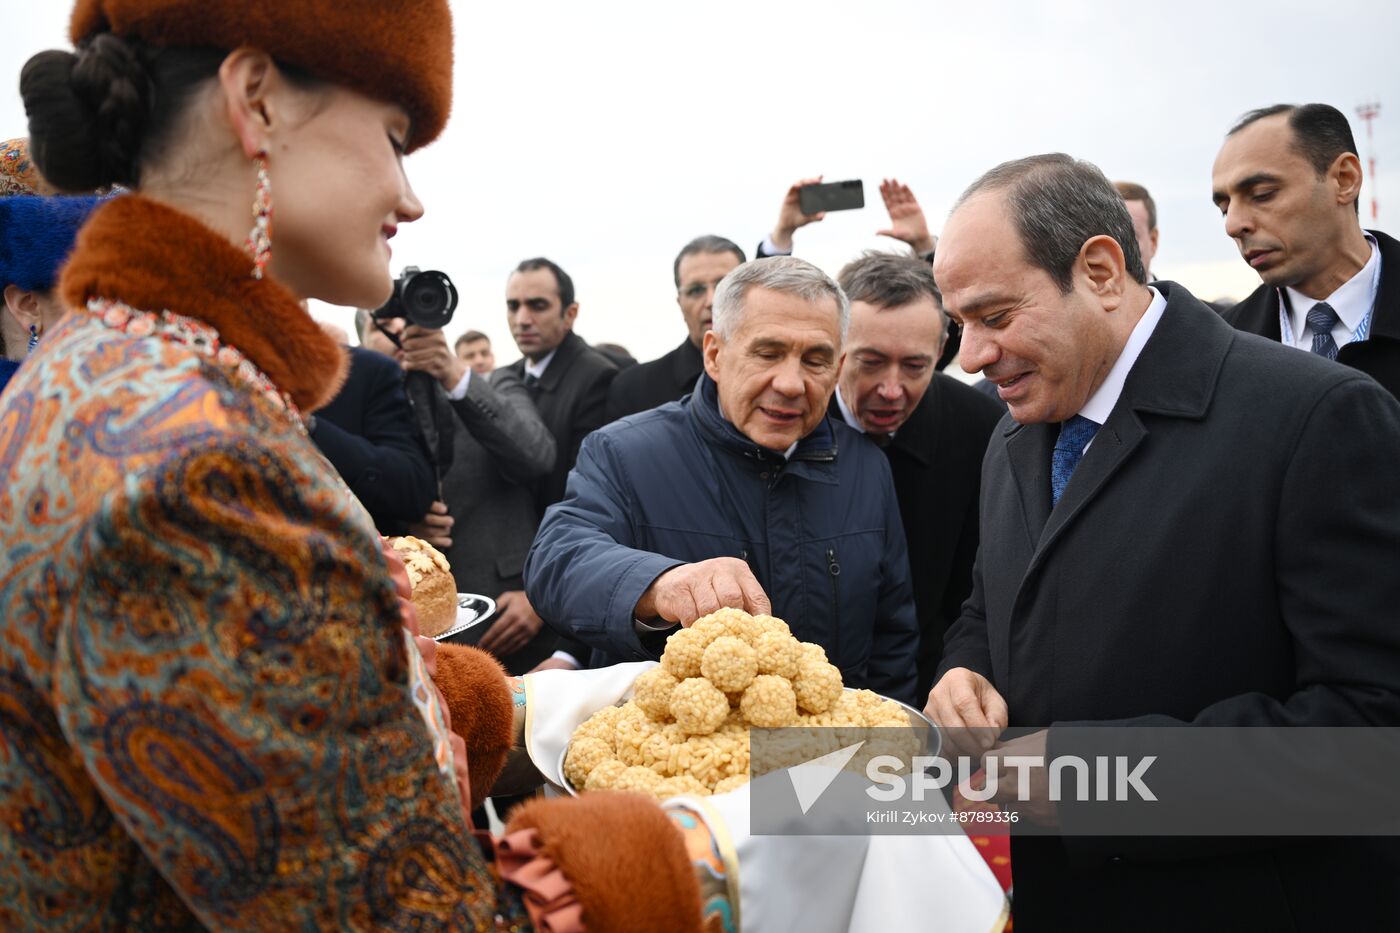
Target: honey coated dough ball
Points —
{"points": [[652, 693], [772, 624], [633, 728], [736, 622], [656, 751], [601, 725], [709, 628], [605, 776], [698, 706], [584, 755], [814, 652], [683, 652], [637, 778], [777, 654], [769, 703], [681, 784], [731, 783], [817, 684], [729, 663]]}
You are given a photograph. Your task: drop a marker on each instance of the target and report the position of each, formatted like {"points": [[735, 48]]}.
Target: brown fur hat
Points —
{"points": [[398, 51]]}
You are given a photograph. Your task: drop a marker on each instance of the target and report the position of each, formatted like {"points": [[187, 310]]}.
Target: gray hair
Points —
{"points": [[1059, 203], [786, 274]]}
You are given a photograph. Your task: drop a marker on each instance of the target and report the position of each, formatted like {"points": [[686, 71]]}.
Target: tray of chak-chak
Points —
{"points": [[442, 611], [684, 725]]}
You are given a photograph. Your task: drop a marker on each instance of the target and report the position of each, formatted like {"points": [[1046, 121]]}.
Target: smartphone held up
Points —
{"points": [[831, 196]]}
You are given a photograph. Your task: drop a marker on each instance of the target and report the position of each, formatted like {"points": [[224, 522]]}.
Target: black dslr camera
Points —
{"points": [[423, 298]]}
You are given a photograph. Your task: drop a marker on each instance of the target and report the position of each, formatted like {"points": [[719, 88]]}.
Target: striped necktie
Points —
{"points": [[1321, 318]]}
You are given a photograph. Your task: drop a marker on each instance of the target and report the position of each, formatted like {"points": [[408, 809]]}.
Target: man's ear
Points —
{"points": [[570, 315], [709, 349], [1345, 173], [252, 86], [1102, 264], [24, 305]]}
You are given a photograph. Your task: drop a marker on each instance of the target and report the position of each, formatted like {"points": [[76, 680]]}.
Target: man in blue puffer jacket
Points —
{"points": [[742, 494]]}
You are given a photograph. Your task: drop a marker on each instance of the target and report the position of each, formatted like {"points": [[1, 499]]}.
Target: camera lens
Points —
{"points": [[429, 298]]}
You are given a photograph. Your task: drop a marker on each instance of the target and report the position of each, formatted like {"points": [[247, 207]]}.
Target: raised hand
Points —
{"points": [[790, 215], [427, 351], [907, 220]]}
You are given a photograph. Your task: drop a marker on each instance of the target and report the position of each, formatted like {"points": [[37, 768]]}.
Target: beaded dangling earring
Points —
{"points": [[259, 245], [33, 337]]}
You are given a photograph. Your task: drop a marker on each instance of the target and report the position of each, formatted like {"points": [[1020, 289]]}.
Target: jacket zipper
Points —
{"points": [[833, 570]]}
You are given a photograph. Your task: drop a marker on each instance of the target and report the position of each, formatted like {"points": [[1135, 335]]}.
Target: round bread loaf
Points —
{"points": [[434, 589]]}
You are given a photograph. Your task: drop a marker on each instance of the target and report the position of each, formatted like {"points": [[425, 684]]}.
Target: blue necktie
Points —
{"points": [[1321, 318], [1075, 434]]}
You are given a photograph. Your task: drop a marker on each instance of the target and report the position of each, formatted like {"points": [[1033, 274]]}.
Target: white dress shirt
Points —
{"points": [[1102, 402], [1352, 302], [537, 368], [459, 391]]}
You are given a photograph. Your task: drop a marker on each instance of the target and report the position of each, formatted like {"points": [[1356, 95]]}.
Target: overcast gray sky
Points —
{"points": [[605, 135]]}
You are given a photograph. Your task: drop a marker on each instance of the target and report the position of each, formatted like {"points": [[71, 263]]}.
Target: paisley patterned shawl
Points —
{"points": [[204, 695]]}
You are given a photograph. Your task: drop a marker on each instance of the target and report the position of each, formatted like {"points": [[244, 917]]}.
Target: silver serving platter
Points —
{"points": [[472, 609], [917, 720]]}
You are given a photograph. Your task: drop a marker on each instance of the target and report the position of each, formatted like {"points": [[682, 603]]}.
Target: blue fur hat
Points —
{"points": [[36, 236]]}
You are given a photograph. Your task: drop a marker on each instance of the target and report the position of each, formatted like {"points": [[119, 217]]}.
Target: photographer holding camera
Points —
{"points": [[485, 518]]}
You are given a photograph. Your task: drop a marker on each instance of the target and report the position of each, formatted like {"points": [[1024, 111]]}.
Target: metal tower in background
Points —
{"points": [[1369, 112]]}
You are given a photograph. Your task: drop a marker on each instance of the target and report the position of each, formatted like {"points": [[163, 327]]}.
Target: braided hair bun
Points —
{"points": [[88, 113]]}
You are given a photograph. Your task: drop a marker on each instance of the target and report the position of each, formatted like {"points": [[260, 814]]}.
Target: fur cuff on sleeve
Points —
{"points": [[627, 862], [474, 686]]}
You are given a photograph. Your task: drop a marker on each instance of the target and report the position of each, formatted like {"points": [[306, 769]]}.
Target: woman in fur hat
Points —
{"points": [[36, 235], [209, 710]]}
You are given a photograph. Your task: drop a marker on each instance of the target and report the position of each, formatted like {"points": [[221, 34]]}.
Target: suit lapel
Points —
{"points": [[1113, 445], [1028, 448], [570, 347], [1174, 376], [1386, 321], [1258, 314]]}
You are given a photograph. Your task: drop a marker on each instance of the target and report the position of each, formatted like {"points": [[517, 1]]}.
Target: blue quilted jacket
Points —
{"points": [[680, 484]]}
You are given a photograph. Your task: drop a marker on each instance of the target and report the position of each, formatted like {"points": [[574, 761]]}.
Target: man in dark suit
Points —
{"points": [[369, 435], [567, 379], [1181, 524], [697, 269], [486, 517], [933, 430], [1288, 182]]}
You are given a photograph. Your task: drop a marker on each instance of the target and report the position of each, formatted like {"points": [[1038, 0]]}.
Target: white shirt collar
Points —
{"points": [[1102, 402], [537, 368], [1352, 300], [849, 416]]}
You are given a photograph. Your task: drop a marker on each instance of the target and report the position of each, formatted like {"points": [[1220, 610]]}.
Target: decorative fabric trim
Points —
{"points": [[197, 337], [149, 255], [714, 858], [549, 895], [425, 699]]}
